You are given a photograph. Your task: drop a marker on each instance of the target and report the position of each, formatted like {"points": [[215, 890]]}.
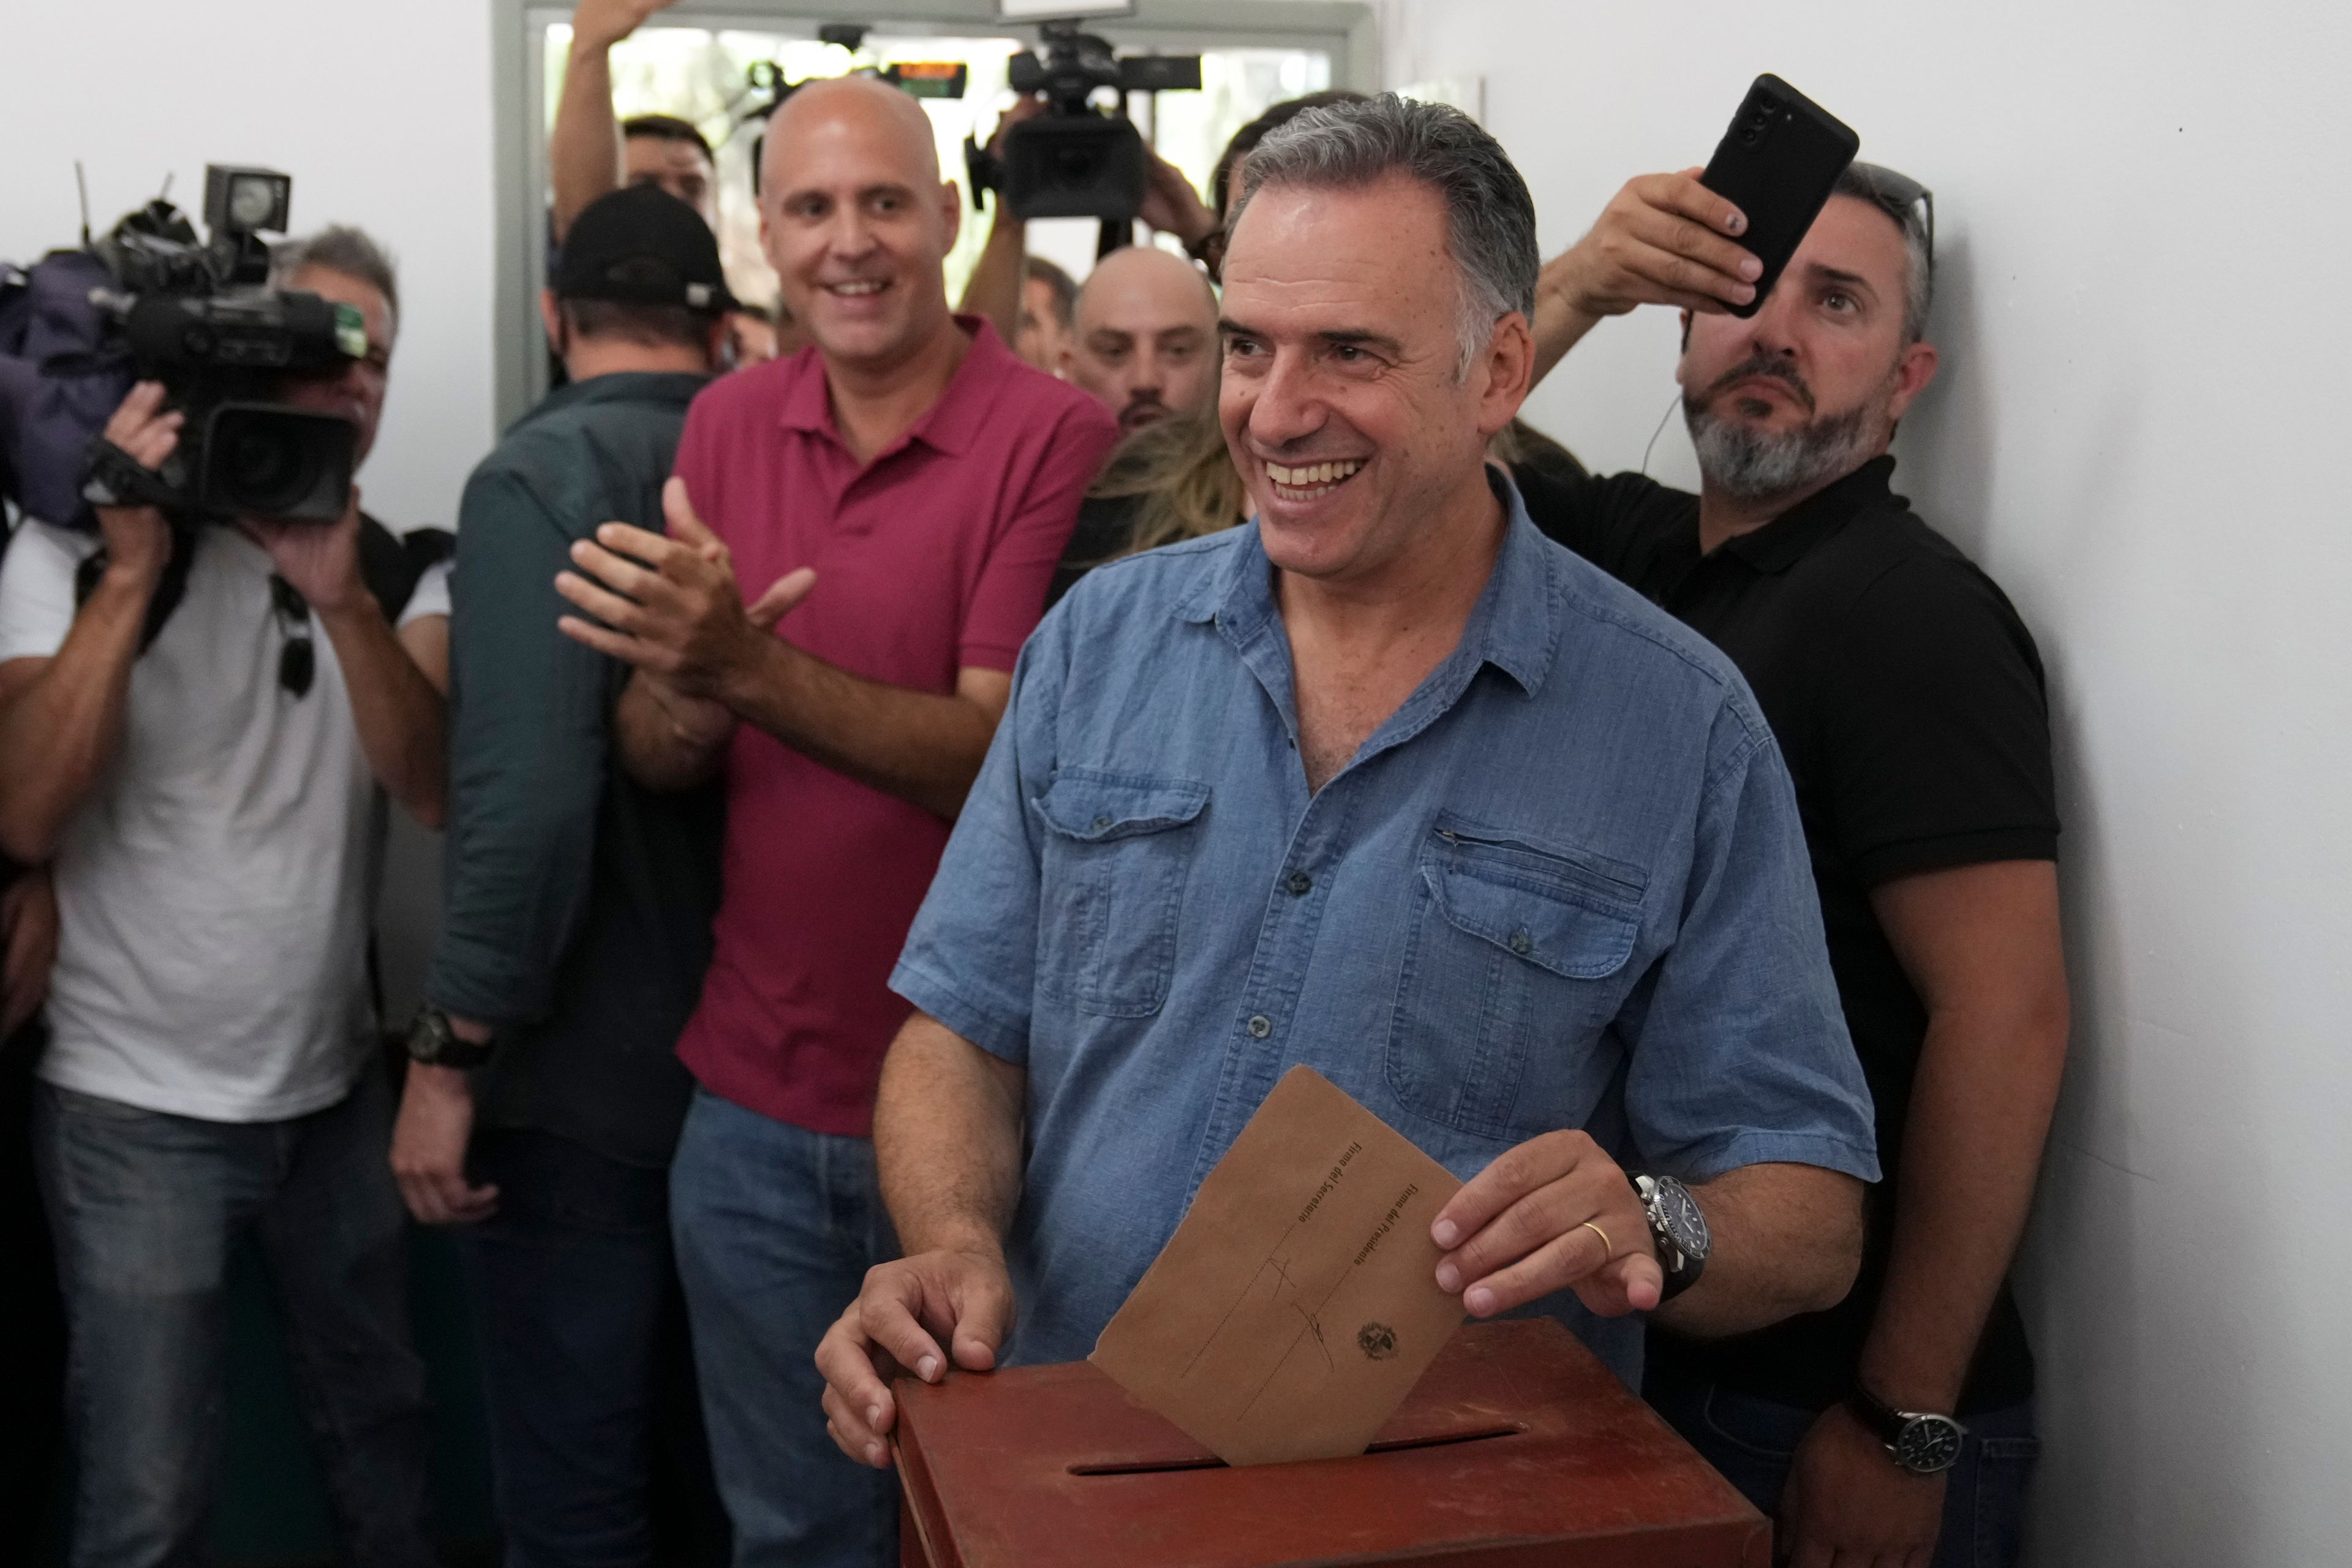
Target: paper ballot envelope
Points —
{"points": [[1298, 1303]]}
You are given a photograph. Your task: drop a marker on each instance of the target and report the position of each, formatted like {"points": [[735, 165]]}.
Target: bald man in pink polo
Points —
{"points": [[892, 502]]}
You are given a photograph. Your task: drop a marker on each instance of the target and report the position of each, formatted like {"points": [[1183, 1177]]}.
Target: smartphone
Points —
{"points": [[1778, 164]]}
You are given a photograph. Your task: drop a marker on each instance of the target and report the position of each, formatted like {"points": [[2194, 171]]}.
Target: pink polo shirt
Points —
{"points": [[933, 557]]}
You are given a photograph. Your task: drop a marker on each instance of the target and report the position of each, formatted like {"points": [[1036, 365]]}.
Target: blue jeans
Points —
{"points": [[1753, 1440], [146, 1208], [584, 1360], [775, 1228]]}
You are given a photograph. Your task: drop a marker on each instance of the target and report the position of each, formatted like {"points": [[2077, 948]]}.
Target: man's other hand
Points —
{"points": [[1170, 205], [600, 24], [320, 559], [428, 1148], [670, 606], [905, 1310], [1028, 105], [1660, 241], [1552, 1213], [1847, 1502], [28, 947]]}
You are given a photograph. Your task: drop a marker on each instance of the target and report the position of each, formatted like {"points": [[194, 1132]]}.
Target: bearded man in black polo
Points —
{"points": [[1907, 698]]}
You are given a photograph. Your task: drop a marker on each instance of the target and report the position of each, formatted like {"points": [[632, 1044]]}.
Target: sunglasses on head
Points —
{"points": [[297, 661], [1897, 194]]}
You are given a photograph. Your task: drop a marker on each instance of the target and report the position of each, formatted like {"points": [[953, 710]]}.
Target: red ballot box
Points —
{"points": [[1517, 1449]]}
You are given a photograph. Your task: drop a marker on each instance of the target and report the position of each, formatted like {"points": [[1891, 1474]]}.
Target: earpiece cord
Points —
{"points": [[1661, 430]]}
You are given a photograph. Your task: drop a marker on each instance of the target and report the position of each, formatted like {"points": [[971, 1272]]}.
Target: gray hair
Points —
{"points": [[339, 248], [1490, 219], [1901, 199]]}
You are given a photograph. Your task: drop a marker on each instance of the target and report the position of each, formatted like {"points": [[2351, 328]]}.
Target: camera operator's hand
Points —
{"points": [[600, 24], [138, 539], [322, 561], [28, 947], [670, 606], [428, 1148], [1029, 106], [1170, 205], [1658, 242]]}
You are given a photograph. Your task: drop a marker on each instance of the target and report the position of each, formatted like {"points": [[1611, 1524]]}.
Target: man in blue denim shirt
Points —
{"points": [[1388, 785]]}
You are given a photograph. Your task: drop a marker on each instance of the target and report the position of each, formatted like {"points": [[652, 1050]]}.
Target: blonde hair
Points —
{"points": [[1180, 466]]}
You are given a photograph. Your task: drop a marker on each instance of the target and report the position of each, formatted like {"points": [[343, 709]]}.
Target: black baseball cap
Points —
{"points": [[641, 246]]}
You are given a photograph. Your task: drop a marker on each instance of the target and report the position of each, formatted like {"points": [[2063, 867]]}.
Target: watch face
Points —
{"points": [[1676, 1213], [1928, 1444]]}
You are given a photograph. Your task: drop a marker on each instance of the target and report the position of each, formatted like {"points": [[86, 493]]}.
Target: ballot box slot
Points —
{"points": [[1208, 1462]]}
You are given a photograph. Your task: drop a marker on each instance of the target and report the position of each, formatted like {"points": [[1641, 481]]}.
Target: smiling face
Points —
{"points": [[356, 391], [1145, 337], [1343, 401], [1811, 386], [857, 221]]}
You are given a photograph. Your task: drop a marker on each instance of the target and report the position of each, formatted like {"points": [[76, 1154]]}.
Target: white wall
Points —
{"points": [[2139, 430], [380, 112]]}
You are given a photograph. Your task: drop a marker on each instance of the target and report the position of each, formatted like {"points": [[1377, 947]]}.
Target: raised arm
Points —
{"points": [[994, 290], [584, 148], [62, 717], [1657, 243], [947, 1140]]}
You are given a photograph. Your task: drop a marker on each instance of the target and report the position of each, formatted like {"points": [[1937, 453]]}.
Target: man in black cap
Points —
{"points": [[544, 1096]]}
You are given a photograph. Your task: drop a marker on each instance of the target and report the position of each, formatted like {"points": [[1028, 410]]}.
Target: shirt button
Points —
{"points": [[1260, 1026], [1299, 884], [1520, 942], [1101, 823]]}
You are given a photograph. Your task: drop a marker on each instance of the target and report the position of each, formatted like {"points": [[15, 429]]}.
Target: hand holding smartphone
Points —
{"points": [[1778, 163]]}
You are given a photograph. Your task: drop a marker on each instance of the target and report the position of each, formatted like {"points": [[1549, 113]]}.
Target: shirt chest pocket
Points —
{"points": [[1517, 958], [1117, 851]]}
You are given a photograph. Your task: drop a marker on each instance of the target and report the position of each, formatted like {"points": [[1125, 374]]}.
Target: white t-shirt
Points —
{"points": [[213, 893]]}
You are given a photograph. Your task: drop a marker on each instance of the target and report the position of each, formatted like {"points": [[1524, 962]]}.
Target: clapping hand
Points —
{"points": [[670, 606]]}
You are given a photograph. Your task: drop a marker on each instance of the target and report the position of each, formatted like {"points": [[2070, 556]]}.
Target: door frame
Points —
{"points": [[1346, 28]]}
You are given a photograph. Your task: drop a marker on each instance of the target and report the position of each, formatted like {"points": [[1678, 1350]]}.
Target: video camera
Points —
{"points": [[1075, 160], [154, 300]]}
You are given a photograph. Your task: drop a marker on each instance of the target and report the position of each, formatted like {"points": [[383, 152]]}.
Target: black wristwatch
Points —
{"points": [[1678, 1227], [432, 1040], [1922, 1442]]}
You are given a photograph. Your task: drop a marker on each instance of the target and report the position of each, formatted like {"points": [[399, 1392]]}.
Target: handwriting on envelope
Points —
{"points": [[1298, 1303]]}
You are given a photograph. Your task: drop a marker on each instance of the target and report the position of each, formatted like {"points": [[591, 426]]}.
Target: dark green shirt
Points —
{"points": [[576, 907]]}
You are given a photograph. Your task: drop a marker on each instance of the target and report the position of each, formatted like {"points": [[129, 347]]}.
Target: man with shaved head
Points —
{"points": [[891, 502], [1146, 324]]}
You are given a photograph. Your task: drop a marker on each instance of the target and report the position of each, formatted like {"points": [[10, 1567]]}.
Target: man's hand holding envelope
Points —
{"points": [[1247, 1310]]}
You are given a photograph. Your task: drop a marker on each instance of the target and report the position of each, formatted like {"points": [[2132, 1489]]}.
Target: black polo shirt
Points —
{"points": [[1908, 700]]}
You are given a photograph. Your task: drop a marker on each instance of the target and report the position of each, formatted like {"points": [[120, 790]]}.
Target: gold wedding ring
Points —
{"points": [[1608, 1250]]}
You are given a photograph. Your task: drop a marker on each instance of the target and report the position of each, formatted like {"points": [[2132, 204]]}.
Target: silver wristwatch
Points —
{"points": [[1921, 1441], [1678, 1228]]}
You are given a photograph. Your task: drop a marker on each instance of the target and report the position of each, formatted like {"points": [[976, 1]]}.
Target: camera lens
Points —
{"points": [[266, 471], [263, 460]]}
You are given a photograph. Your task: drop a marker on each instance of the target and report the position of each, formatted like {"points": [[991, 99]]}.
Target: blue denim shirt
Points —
{"points": [[1562, 886]]}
